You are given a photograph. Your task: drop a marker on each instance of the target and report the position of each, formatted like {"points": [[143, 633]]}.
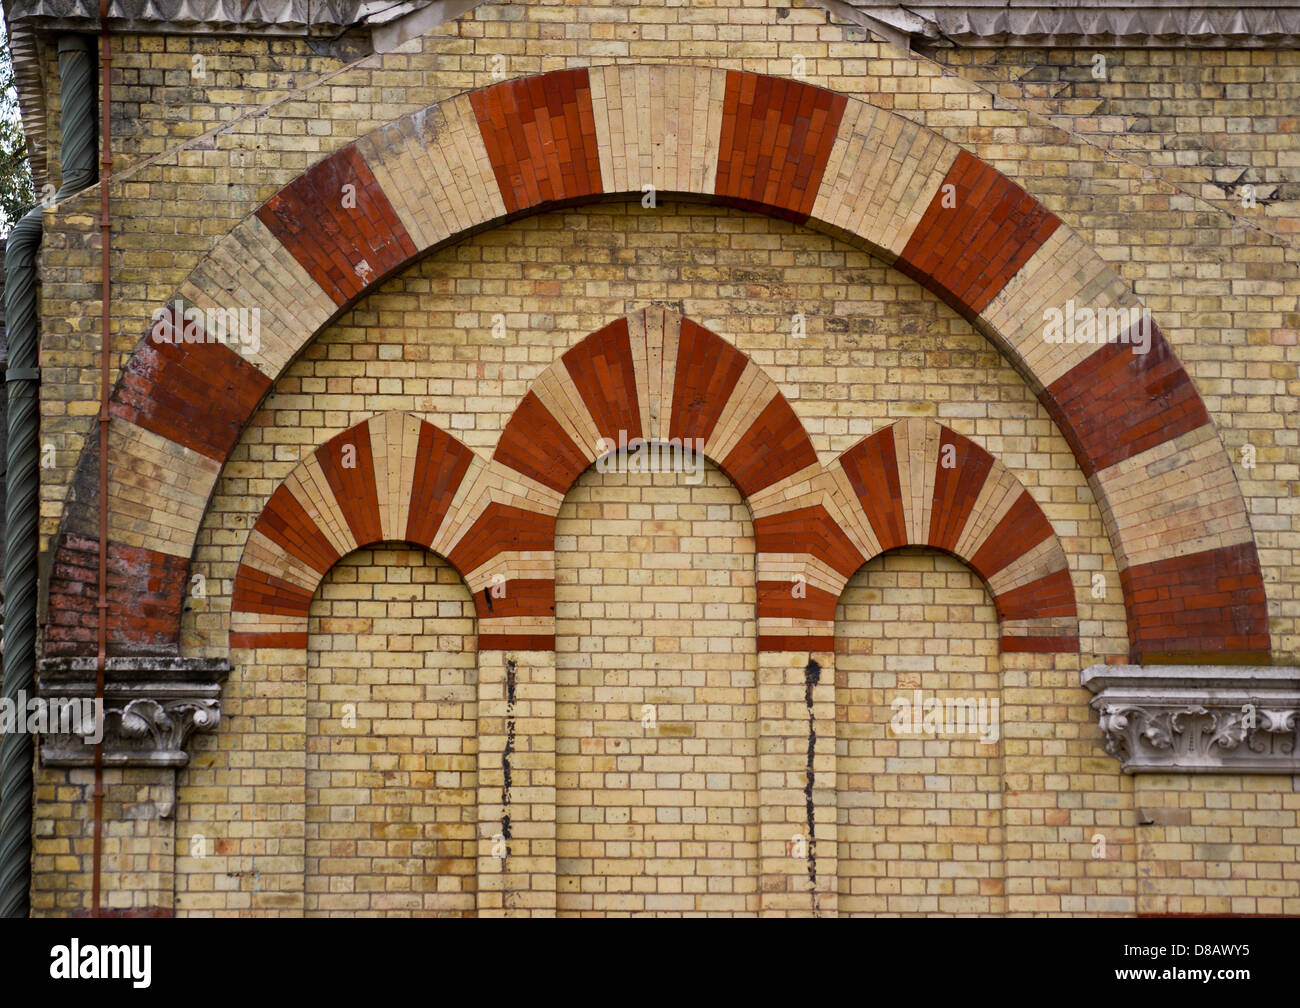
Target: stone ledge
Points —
{"points": [[151, 708], [1198, 719]]}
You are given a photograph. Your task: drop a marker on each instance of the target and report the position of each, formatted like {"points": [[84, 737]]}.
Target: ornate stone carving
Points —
{"points": [[1193, 719], [152, 706]]}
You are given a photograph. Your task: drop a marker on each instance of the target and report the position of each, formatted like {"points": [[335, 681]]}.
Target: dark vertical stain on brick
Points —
{"points": [[506, 775], [514, 598], [812, 674]]}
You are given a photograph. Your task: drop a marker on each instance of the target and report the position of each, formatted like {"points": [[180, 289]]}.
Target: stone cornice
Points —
{"points": [[1090, 23], [1198, 719], [152, 706]]}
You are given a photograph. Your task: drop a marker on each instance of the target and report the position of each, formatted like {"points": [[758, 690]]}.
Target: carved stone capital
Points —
{"points": [[1198, 719], [152, 706]]}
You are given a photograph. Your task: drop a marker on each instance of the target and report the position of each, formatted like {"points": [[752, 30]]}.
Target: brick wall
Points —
{"points": [[656, 705], [1135, 164], [920, 811], [391, 739]]}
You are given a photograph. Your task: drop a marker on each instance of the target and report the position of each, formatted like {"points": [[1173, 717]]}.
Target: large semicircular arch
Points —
{"points": [[1141, 434]]}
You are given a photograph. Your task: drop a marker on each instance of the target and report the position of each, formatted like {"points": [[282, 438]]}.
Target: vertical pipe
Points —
{"points": [[105, 350], [21, 504], [77, 92]]}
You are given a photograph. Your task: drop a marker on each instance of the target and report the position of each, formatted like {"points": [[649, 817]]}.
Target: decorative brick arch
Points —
{"points": [[656, 376], [1169, 496], [391, 478], [917, 483]]}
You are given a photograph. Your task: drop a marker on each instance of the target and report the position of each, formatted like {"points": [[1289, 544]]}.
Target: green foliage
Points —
{"points": [[16, 193]]}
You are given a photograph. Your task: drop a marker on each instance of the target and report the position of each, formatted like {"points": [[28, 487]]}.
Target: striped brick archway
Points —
{"points": [[396, 478], [918, 483], [656, 376], [1175, 515]]}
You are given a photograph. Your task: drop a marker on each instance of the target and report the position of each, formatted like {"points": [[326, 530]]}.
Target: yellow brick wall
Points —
{"points": [[878, 348], [1218, 844], [1136, 163], [656, 703], [391, 739], [919, 813], [139, 832]]}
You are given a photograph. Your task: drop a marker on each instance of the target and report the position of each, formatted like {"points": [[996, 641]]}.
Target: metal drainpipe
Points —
{"points": [[105, 350], [22, 504]]}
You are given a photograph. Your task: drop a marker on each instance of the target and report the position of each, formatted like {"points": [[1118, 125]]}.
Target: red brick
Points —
{"points": [[522, 597], [1050, 596], [776, 600], [774, 447], [872, 468], [602, 369], [500, 529], [795, 642], [534, 443], [1022, 528], [516, 642], [967, 253], [540, 136], [1202, 606], [353, 486], [259, 592], [199, 395], [1039, 645], [330, 240], [441, 463], [708, 368], [284, 641], [777, 136], [808, 530], [145, 593], [285, 522], [957, 489], [1116, 404]]}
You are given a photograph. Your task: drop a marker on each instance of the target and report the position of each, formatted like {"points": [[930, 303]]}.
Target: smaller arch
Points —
{"points": [[392, 478], [919, 483]]}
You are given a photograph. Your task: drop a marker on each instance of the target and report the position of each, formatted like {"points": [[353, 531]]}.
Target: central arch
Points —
{"points": [[1142, 436], [656, 699]]}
